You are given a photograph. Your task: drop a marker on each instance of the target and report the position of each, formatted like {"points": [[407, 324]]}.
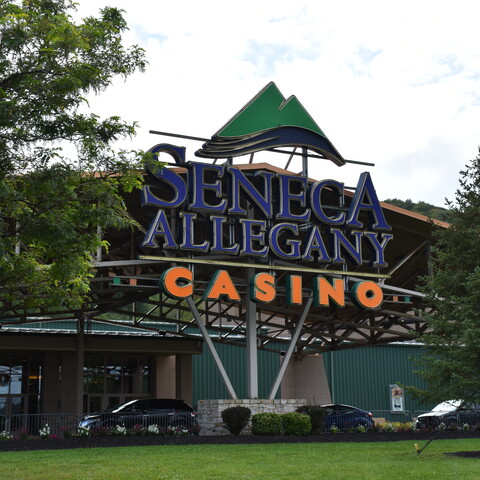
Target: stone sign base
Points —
{"points": [[210, 412]]}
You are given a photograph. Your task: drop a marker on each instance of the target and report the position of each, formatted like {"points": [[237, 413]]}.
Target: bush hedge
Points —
{"points": [[235, 418], [295, 423], [267, 424], [317, 417]]}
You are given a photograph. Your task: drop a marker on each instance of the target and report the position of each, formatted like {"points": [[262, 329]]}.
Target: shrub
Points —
{"points": [[295, 423], [267, 424], [137, 430], [66, 432], [377, 427], [45, 431], [405, 426], [118, 431], [317, 417], [334, 429], [5, 435], [153, 430], [84, 432], [389, 427], [235, 418], [102, 431], [21, 434], [196, 429], [176, 430]]}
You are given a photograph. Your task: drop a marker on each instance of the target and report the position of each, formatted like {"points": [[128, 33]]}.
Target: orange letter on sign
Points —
{"points": [[169, 282], [367, 294], [294, 290], [262, 288], [221, 284], [323, 291]]}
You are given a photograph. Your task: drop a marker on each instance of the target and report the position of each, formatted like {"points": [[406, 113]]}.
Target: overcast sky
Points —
{"points": [[396, 84]]}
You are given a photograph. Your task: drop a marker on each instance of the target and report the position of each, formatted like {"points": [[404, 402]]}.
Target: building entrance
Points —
{"points": [[110, 380], [20, 387]]}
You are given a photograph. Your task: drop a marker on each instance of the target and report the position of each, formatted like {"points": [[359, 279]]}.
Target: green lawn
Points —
{"points": [[331, 461]]}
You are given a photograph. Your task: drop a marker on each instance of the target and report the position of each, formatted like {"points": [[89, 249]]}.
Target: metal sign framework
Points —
{"points": [[125, 292], [122, 283]]}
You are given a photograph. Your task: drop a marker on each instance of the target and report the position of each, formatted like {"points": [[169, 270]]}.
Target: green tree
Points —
{"points": [[424, 208], [451, 366], [54, 205]]}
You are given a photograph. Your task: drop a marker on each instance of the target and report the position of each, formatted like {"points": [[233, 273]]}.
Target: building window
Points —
{"points": [[110, 380], [20, 384]]}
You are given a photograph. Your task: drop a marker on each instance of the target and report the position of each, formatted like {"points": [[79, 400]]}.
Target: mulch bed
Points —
{"points": [[133, 441]]}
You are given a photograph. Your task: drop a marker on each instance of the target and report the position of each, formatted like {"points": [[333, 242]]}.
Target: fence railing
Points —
{"points": [[61, 423], [457, 419], [31, 424], [389, 416]]}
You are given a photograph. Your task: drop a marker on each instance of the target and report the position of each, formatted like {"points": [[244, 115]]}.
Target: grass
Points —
{"points": [[332, 461]]}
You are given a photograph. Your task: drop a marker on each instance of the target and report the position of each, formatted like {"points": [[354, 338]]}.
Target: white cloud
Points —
{"points": [[391, 83]]}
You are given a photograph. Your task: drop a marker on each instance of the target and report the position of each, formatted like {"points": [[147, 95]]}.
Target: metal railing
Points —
{"points": [[59, 424], [458, 419], [388, 416], [31, 424]]}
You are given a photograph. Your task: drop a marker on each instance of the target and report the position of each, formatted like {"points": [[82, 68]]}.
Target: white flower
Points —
{"points": [[45, 431], [5, 435], [389, 427], [120, 430], [83, 432], [153, 430]]}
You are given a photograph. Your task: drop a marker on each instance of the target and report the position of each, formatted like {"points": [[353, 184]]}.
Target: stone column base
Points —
{"points": [[210, 412]]}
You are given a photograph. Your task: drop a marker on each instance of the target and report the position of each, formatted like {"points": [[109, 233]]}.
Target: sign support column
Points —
{"points": [[291, 347], [252, 352], [211, 347]]}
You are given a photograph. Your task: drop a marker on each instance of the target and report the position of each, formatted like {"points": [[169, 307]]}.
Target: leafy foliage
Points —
{"points": [[451, 366], [53, 207], [267, 424], [317, 417], [236, 418], [424, 208], [295, 423]]}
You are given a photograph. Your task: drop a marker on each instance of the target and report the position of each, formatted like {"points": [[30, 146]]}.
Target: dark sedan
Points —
{"points": [[346, 416], [162, 412]]}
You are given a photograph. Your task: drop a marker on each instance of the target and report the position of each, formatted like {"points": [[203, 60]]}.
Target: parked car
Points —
{"points": [[163, 412], [346, 416], [452, 413]]}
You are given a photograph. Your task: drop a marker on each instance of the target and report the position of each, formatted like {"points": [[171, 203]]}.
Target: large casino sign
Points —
{"points": [[259, 213]]}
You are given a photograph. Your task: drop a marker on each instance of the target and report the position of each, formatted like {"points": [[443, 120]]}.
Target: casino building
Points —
{"points": [[232, 253]]}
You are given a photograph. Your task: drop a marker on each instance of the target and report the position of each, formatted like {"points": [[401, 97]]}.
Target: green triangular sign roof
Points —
{"points": [[269, 109]]}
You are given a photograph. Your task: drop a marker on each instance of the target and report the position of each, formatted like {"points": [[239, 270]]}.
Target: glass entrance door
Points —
{"points": [[20, 387], [110, 380]]}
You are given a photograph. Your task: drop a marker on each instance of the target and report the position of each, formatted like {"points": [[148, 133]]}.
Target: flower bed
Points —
{"points": [[37, 443]]}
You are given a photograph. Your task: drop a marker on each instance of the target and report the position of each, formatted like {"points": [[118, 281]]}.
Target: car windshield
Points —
{"points": [[449, 406]]}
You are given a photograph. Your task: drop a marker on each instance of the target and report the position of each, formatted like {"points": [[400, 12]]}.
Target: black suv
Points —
{"points": [[452, 413], [162, 412]]}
